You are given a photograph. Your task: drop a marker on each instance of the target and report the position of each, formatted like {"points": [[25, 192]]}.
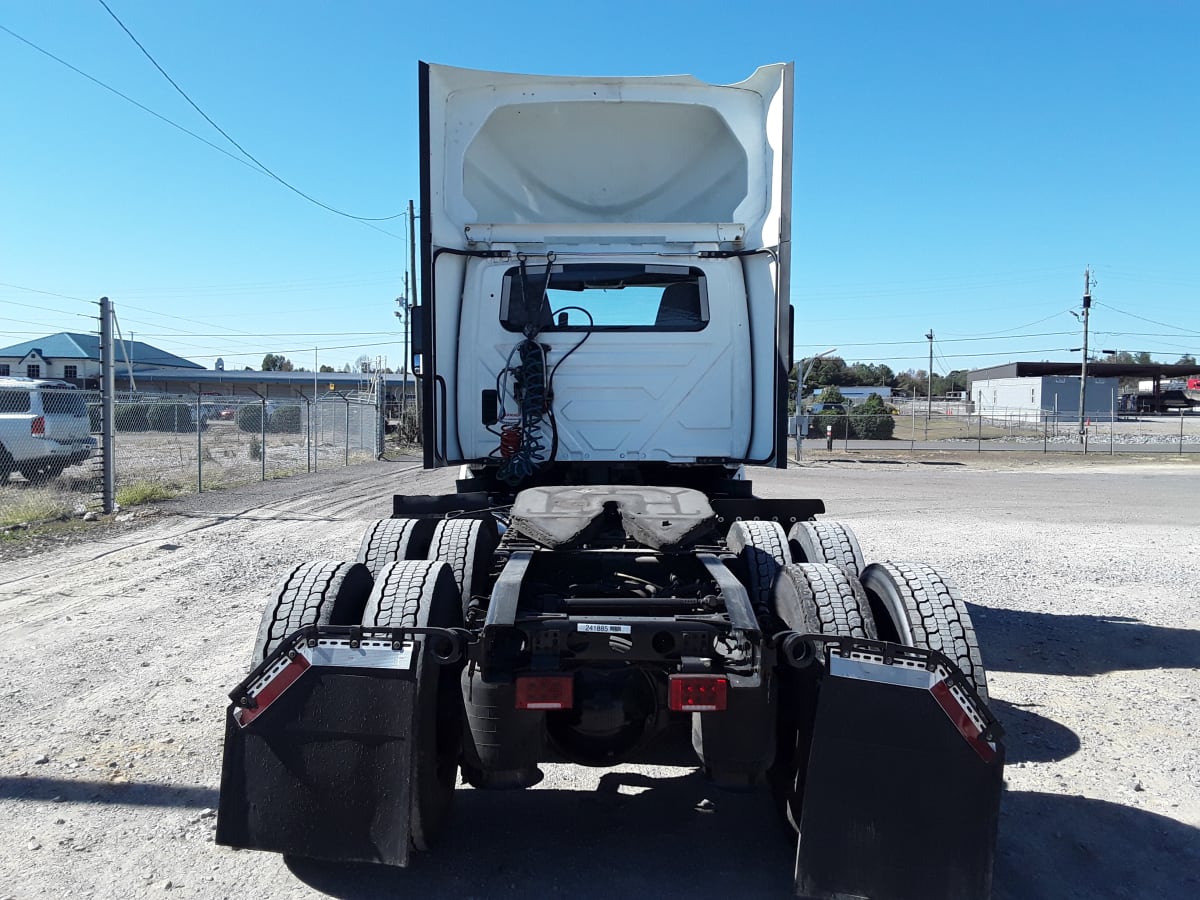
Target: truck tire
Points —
{"points": [[823, 598], [423, 594], [6, 465], [826, 542], [314, 593], [917, 606], [466, 545], [763, 550], [813, 598], [36, 474], [388, 540]]}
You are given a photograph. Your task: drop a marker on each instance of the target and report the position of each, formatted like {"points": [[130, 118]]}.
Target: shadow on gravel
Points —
{"points": [[588, 844], [1054, 644], [1030, 737], [552, 843], [1053, 846], [133, 793]]}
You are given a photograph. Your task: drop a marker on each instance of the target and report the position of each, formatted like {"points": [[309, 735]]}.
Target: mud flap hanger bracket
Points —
{"points": [[383, 650], [886, 662]]}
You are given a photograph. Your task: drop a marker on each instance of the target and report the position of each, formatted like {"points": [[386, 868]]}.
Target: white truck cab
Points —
{"points": [[606, 269]]}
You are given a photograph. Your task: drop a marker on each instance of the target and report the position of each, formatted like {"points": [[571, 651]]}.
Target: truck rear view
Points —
{"points": [[603, 347]]}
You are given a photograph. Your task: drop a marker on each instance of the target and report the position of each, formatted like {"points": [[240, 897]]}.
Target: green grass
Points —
{"points": [[35, 506], [146, 492]]}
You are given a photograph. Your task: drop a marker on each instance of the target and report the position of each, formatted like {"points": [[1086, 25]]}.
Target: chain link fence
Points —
{"points": [[49, 467], [166, 445], [953, 428]]}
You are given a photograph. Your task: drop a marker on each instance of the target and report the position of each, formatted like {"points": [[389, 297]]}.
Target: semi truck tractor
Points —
{"points": [[603, 345]]}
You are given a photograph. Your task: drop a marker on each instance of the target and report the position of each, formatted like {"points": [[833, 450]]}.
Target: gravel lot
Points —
{"points": [[1082, 574]]}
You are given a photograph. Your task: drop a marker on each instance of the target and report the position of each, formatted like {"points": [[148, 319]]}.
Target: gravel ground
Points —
{"points": [[1082, 576]]}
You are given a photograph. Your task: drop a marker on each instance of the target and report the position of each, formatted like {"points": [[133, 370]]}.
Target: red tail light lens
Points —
{"points": [[698, 693], [545, 692], [38, 426]]}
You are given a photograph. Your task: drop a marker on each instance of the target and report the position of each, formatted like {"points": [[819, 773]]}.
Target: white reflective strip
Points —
{"points": [[603, 629], [543, 706], [368, 655], [863, 670], [969, 708], [267, 677]]}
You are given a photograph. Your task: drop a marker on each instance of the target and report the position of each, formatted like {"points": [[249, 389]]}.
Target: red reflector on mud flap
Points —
{"points": [[698, 693], [545, 691]]}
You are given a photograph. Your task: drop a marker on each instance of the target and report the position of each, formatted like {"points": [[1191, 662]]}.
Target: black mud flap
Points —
{"points": [[318, 750], [902, 790]]}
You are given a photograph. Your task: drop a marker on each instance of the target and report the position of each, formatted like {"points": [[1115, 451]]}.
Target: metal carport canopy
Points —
{"points": [[1095, 369]]}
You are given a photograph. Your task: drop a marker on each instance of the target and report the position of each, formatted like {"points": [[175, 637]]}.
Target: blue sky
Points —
{"points": [[957, 165]]}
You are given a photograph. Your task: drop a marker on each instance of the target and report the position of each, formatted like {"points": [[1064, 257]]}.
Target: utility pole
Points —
{"points": [[403, 314], [929, 387], [412, 292], [1087, 305], [108, 390]]}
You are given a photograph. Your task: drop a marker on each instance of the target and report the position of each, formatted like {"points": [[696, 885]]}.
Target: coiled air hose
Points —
{"points": [[521, 460]]}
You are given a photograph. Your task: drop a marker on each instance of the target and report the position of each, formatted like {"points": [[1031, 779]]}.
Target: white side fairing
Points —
{"points": [[604, 200]]}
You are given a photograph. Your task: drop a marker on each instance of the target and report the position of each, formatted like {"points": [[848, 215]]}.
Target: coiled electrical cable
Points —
{"points": [[531, 381]]}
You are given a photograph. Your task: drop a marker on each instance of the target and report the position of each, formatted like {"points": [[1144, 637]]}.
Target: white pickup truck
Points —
{"points": [[44, 427]]}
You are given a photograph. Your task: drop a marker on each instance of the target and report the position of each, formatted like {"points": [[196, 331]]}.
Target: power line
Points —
{"points": [[323, 349], [129, 99], [956, 356], [1011, 337], [27, 322], [1002, 331], [61, 312], [368, 223], [18, 287], [273, 334], [1144, 319], [266, 170]]}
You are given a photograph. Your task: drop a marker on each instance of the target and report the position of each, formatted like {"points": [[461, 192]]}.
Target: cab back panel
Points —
{"points": [[621, 394]]}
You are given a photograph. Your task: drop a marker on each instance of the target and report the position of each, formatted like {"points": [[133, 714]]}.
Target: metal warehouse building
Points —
{"points": [[1047, 389], [1046, 396]]}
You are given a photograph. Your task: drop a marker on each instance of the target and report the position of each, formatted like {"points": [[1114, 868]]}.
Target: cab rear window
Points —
{"points": [[604, 297], [14, 401], [64, 402]]}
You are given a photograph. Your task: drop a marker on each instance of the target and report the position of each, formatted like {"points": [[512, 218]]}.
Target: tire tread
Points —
{"points": [[937, 615]]}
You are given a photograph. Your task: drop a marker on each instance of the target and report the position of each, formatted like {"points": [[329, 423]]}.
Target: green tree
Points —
{"points": [[913, 382], [870, 375], [830, 417], [1186, 360], [275, 362], [871, 421], [829, 370], [954, 380], [325, 368]]}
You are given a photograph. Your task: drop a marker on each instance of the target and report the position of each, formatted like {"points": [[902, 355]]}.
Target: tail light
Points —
{"points": [[37, 427], [545, 691], [698, 693]]}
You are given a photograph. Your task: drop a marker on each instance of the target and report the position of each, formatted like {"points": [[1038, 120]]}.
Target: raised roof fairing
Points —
{"points": [[553, 151]]}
